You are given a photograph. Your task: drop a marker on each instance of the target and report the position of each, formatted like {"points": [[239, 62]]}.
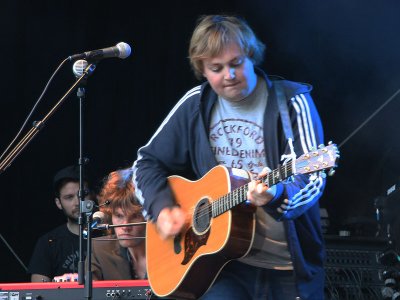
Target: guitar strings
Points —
{"points": [[221, 203], [224, 202]]}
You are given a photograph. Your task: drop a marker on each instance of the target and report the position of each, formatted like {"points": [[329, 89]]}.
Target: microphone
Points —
{"points": [[121, 50], [79, 67], [98, 217]]}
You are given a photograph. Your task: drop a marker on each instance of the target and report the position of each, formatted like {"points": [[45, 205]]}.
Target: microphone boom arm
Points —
{"points": [[108, 226], [38, 125]]}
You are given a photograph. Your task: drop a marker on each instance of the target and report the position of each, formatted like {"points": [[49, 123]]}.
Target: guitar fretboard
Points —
{"points": [[239, 195]]}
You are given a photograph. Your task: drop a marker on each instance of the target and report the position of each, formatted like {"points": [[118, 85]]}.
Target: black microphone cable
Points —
{"points": [[33, 109]]}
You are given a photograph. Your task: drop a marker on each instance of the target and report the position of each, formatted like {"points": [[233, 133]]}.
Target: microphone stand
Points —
{"points": [[86, 207]]}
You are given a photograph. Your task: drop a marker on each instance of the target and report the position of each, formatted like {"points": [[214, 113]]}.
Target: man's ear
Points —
{"points": [[58, 203]]}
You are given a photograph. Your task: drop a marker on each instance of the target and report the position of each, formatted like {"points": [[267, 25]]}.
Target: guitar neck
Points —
{"points": [[239, 195], [279, 174], [315, 161]]}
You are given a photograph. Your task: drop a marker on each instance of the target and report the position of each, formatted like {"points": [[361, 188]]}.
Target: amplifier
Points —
{"points": [[107, 290], [353, 269]]}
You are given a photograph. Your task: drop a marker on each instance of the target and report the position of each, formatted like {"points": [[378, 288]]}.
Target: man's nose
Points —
{"points": [[125, 221], [230, 73]]}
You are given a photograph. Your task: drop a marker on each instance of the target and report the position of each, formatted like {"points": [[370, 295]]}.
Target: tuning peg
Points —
{"points": [[320, 146], [330, 143], [331, 172], [323, 174]]}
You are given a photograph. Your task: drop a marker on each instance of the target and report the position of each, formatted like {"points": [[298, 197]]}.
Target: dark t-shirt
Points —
{"points": [[56, 253]]}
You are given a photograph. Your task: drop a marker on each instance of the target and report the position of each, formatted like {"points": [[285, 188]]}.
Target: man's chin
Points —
{"points": [[73, 219], [124, 243], [234, 97]]}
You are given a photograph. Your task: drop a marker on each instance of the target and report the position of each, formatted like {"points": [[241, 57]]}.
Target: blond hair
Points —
{"points": [[214, 32]]}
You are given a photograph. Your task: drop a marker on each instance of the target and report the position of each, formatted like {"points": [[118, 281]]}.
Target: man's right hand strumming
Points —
{"points": [[170, 221]]}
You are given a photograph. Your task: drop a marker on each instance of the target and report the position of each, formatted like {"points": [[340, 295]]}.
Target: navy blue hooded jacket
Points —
{"points": [[181, 146]]}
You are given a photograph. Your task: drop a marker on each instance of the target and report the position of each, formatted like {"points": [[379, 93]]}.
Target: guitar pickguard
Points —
{"points": [[192, 243]]}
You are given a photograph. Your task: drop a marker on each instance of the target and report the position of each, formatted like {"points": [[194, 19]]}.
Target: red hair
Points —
{"points": [[118, 191]]}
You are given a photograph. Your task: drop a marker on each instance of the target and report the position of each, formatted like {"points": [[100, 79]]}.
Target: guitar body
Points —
{"points": [[220, 225], [187, 265]]}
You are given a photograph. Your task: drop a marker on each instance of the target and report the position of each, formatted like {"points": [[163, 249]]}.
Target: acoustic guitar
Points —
{"points": [[221, 226]]}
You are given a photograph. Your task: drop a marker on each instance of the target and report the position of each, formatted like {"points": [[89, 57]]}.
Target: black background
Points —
{"points": [[348, 50]]}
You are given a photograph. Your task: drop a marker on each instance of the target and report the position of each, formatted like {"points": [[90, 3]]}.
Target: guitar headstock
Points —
{"points": [[324, 158]]}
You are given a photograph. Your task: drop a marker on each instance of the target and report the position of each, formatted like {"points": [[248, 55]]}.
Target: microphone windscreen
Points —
{"points": [[124, 50], [100, 216], [79, 66]]}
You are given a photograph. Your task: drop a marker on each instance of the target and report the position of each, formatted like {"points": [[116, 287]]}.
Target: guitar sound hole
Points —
{"points": [[202, 216]]}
